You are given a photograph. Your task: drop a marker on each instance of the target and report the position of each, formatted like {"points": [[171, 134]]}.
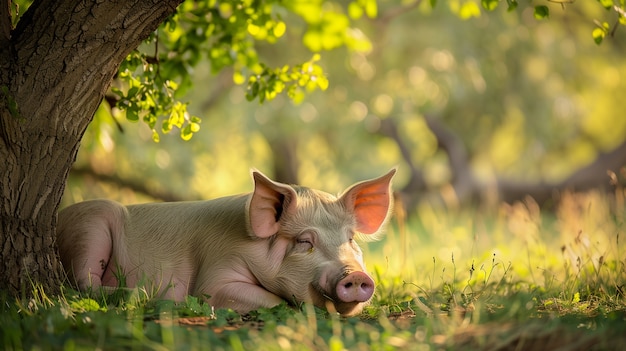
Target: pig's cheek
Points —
{"points": [[317, 297], [324, 280], [278, 251]]}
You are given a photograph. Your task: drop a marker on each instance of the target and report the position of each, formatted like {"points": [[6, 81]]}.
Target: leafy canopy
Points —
{"points": [[154, 78], [225, 34]]}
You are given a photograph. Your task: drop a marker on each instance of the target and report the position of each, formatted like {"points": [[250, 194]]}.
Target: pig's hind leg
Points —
{"points": [[93, 269], [86, 245]]}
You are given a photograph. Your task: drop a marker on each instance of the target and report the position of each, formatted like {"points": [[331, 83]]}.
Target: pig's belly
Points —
{"points": [[164, 279]]}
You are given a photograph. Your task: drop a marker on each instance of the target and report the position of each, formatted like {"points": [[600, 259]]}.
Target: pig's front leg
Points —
{"points": [[243, 297]]}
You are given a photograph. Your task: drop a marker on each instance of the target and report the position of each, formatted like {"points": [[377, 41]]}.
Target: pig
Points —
{"points": [[278, 243]]}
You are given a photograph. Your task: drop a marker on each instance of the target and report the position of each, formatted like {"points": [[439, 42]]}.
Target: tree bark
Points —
{"points": [[54, 70]]}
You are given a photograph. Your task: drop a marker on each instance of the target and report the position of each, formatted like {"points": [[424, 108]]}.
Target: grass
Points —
{"points": [[514, 278]]}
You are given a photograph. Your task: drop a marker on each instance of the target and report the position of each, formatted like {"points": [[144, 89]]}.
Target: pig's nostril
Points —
{"points": [[355, 287]]}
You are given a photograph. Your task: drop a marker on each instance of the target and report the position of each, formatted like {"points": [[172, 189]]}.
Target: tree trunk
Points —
{"points": [[55, 67], [285, 160]]}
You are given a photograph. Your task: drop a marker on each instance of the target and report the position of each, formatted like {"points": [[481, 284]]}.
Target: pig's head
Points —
{"points": [[313, 255]]}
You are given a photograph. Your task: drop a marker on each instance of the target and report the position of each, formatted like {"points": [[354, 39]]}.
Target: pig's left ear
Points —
{"points": [[267, 204], [370, 202]]}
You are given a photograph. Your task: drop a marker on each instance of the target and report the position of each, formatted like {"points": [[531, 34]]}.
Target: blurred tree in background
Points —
{"points": [[473, 100]]}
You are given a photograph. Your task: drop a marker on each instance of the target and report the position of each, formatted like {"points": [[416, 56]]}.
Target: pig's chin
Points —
{"points": [[331, 302], [348, 309]]}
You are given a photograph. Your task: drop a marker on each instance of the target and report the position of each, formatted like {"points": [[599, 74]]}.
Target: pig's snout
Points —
{"points": [[355, 287]]}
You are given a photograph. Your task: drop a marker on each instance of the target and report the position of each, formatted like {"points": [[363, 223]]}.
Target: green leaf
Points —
{"points": [[322, 82], [542, 12], [132, 91], [132, 115], [166, 126], [600, 32], [186, 133], [598, 35], [253, 29], [490, 5], [238, 78], [194, 127], [371, 8], [607, 4], [85, 305], [468, 10], [254, 89], [279, 29], [355, 11], [512, 5]]}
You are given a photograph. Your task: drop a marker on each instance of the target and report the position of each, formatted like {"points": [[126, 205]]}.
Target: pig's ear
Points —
{"points": [[267, 204], [370, 202]]}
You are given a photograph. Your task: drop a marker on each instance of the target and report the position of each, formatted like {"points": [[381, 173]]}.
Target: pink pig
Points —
{"points": [[278, 243]]}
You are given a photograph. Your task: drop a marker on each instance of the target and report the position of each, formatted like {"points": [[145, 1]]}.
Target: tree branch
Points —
{"points": [[592, 176], [397, 11], [416, 182], [135, 185], [224, 82]]}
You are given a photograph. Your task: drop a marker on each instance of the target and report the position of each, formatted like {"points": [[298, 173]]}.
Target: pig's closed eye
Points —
{"points": [[305, 242], [304, 246]]}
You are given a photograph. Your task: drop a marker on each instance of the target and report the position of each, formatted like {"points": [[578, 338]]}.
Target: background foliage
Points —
{"points": [[524, 85], [531, 99]]}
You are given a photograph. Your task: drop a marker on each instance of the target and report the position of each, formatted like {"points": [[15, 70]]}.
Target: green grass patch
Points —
{"points": [[513, 278]]}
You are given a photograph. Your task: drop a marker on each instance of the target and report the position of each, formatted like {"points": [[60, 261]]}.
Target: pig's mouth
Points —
{"points": [[345, 309], [352, 291]]}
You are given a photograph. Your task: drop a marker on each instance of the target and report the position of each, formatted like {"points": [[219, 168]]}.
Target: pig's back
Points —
{"points": [[169, 223], [186, 229]]}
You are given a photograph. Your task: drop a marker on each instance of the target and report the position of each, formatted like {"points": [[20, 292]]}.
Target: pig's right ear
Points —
{"points": [[267, 204], [370, 201]]}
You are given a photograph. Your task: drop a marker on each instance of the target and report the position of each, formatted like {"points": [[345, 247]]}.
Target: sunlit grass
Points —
{"points": [[515, 276], [575, 250]]}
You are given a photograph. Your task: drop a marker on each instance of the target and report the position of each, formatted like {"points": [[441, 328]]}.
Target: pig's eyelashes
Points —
{"points": [[305, 244]]}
